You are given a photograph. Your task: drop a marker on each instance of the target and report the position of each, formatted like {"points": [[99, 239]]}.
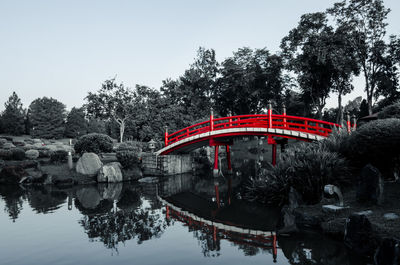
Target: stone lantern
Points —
{"points": [[152, 145]]}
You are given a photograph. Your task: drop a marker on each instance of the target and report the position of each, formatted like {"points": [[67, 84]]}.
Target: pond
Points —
{"points": [[178, 220]]}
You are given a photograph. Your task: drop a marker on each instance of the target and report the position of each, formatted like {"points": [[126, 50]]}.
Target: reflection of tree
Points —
{"points": [[209, 247], [45, 199], [13, 197], [132, 221]]}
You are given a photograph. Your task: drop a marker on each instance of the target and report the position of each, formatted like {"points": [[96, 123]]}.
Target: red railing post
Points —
{"points": [[354, 122], [228, 158], [230, 119], [269, 114], [284, 115], [216, 169], [166, 135], [211, 120]]}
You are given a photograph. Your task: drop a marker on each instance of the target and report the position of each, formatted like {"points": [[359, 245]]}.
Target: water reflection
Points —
{"points": [[114, 214]]}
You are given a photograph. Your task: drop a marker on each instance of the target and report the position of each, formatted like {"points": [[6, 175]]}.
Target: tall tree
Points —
{"points": [[76, 124], [309, 51], [248, 80], [365, 20], [13, 117], [112, 101], [47, 116]]}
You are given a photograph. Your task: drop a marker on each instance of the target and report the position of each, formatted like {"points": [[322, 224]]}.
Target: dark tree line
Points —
{"points": [[318, 58]]}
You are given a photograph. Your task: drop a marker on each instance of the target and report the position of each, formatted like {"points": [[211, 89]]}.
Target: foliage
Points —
{"points": [[307, 167], [5, 154], [96, 126], [13, 117], [376, 142], [17, 154], [248, 80], [47, 116], [128, 159], [131, 146], [94, 142], [58, 156], [391, 111], [112, 101], [76, 123], [365, 22]]}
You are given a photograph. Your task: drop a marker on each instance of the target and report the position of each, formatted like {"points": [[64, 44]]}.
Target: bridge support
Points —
{"points": [[216, 169], [228, 159], [271, 141]]}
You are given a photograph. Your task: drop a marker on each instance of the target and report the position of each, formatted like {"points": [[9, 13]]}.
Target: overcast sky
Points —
{"points": [[63, 49]]}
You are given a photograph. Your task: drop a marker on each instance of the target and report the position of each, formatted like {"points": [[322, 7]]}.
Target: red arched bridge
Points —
{"points": [[221, 131]]}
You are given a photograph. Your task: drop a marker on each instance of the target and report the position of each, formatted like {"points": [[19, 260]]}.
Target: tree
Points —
{"points": [[47, 116], [112, 102], [365, 20], [76, 124], [13, 117], [309, 51], [248, 80]]}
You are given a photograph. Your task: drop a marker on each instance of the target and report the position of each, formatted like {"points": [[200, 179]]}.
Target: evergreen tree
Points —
{"points": [[13, 116], [47, 116], [76, 124]]}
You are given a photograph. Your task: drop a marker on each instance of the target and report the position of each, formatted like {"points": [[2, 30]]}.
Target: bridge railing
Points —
{"points": [[275, 121]]}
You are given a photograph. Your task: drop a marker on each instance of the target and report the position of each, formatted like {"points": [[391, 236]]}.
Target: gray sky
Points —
{"points": [[63, 49]]}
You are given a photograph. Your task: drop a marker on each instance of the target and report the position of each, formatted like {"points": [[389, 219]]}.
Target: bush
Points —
{"points": [[391, 111], [58, 156], [128, 159], [376, 142], [130, 146], [5, 154], [95, 143], [18, 154], [32, 154], [307, 167]]}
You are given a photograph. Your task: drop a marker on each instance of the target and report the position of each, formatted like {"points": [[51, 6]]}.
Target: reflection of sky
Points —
{"points": [[57, 238]]}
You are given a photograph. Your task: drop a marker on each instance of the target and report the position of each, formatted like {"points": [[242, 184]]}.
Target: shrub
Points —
{"points": [[376, 142], [305, 166], [130, 146], [58, 156], [5, 154], [32, 154], [95, 143], [128, 159], [18, 154], [391, 111]]}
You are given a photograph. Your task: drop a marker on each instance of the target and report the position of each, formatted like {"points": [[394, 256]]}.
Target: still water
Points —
{"points": [[179, 220]]}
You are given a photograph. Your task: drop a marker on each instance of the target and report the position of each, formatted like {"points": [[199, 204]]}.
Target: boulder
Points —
{"points": [[2, 141], [89, 164], [110, 191], [388, 252], [370, 185], [110, 173], [133, 173], [357, 234], [8, 145], [32, 154], [12, 175]]}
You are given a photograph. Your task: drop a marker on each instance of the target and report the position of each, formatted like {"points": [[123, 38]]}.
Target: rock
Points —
{"points": [[8, 145], [38, 145], [288, 220], [134, 173], [357, 235], [89, 164], [366, 212], [390, 216], [2, 141], [149, 180], [388, 253], [32, 154], [110, 173], [34, 173], [18, 142], [37, 141], [333, 208], [370, 185], [12, 175]]}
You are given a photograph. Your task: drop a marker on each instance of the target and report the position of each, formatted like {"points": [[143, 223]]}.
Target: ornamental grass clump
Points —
{"points": [[307, 167]]}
